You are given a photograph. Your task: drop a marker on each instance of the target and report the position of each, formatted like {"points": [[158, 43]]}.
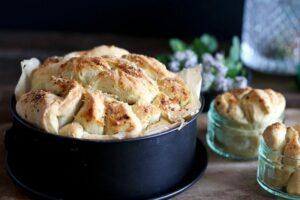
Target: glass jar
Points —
{"points": [[231, 139], [278, 174], [271, 36]]}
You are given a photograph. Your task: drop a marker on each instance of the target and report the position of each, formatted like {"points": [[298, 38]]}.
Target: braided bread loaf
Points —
{"points": [[103, 93]]}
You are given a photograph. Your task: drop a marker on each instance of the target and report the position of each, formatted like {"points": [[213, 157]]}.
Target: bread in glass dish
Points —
{"points": [[279, 160], [237, 119]]}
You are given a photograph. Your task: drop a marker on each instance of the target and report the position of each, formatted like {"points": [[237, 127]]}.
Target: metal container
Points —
{"points": [[71, 168]]}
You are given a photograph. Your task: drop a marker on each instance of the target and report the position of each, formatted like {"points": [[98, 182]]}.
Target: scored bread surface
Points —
{"points": [[103, 91]]}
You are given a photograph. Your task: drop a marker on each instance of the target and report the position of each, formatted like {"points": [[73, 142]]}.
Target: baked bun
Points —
{"points": [[91, 114], [152, 67], [41, 109], [274, 136], [104, 93], [293, 186], [251, 106], [74, 130], [147, 113], [292, 148], [285, 147], [126, 81], [121, 118], [286, 140], [51, 105]]}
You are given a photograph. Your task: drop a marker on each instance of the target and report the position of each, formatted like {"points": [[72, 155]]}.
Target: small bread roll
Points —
{"points": [[254, 106], [146, 112], [71, 93], [127, 82], [274, 136], [41, 109], [293, 186], [175, 89], [292, 148], [50, 67], [119, 117], [153, 67], [91, 115], [74, 130], [166, 106], [228, 105], [285, 156], [83, 69]]}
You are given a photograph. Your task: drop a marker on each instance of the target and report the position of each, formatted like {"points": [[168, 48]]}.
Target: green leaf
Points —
{"points": [[210, 42], [177, 45], [234, 69], [199, 47], [234, 52], [204, 44], [163, 58]]}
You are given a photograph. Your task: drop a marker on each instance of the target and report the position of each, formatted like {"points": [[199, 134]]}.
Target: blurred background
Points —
{"points": [[155, 18]]}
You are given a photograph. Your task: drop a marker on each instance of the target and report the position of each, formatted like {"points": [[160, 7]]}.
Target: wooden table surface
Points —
{"points": [[224, 179]]}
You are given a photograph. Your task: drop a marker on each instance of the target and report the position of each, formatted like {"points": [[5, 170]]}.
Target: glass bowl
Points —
{"points": [[231, 139], [278, 174]]}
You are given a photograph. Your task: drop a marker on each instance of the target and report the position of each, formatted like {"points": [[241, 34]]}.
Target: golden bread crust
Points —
{"points": [[250, 105], [120, 118], [105, 91], [40, 108]]}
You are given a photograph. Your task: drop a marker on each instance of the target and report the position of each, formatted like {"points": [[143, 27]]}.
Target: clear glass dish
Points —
{"points": [[278, 174], [231, 139]]}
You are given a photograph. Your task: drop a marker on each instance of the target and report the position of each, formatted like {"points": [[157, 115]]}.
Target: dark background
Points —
{"points": [[155, 18]]}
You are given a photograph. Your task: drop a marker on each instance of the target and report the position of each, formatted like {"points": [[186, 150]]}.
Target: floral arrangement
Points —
{"points": [[220, 73]]}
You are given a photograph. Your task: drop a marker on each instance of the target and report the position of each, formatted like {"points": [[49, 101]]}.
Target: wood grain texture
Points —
{"points": [[223, 179]]}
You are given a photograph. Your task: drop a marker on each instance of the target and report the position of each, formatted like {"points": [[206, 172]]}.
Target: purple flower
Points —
{"points": [[240, 82], [183, 59], [174, 66], [189, 54], [207, 81], [223, 84], [192, 62], [221, 69], [179, 56], [208, 59]]}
